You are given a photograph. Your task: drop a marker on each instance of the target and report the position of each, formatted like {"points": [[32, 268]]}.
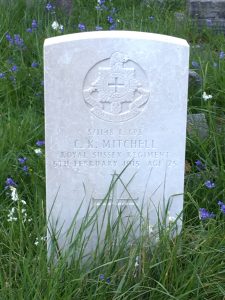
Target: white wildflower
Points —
{"points": [[36, 242], [61, 28], [14, 194], [150, 229], [171, 219], [38, 151], [57, 26], [11, 216], [136, 265], [23, 202], [206, 97]]}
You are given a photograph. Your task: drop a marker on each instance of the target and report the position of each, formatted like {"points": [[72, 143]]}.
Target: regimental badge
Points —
{"points": [[116, 89]]}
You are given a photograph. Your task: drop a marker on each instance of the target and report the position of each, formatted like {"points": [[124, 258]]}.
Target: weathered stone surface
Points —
{"points": [[65, 5], [112, 101], [197, 126], [208, 13]]}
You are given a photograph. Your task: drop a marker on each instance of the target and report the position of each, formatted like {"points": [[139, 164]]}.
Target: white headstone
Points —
{"points": [[115, 99]]}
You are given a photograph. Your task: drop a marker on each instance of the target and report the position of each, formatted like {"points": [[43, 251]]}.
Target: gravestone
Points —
{"points": [[197, 126], [115, 113], [210, 13]]}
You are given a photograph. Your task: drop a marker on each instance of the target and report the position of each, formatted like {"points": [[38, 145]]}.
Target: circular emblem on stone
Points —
{"points": [[116, 89]]}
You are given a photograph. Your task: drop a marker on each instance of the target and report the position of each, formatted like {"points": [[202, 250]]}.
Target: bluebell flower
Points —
{"points": [[14, 68], [34, 64], [222, 55], [81, 27], [204, 214], [2, 75], [209, 184], [9, 38], [18, 41], [49, 6], [151, 18], [25, 169], [22, 160], [10, 182], [29, 30], [222, 206], [34, 24], [100, 2], [110, 19], [108, 280], [101, 277], [40, 143], [199, 165]]}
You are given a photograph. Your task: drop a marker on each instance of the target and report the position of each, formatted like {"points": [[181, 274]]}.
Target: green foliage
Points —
{"points": [[189, 266]]}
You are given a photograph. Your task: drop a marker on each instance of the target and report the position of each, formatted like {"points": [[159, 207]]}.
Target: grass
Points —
{"points": [[189, 266]]}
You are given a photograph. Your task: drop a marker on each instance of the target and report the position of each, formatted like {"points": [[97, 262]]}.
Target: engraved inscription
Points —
{"points": [[116, 89], [114, 148]]}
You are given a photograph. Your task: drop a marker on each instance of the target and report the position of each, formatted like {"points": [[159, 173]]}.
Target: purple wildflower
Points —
{"points": [[110, 19], [29, 30], [34, 64], [18, 41], [209, 184], [98, 28], [25, 169], [2, 75], [100, 2], [40, 143], [81, 27], [101, 277], [222, 54], [195, 64], [108, 280], [199, 165], [22, 160], [34, 24], [14, 68], [222, 206], [9, 38], [204, 214], [10, 182], [49, 6]]}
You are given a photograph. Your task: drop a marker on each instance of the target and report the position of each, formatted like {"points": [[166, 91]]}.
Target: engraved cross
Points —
{"points": [[116, 84]]}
